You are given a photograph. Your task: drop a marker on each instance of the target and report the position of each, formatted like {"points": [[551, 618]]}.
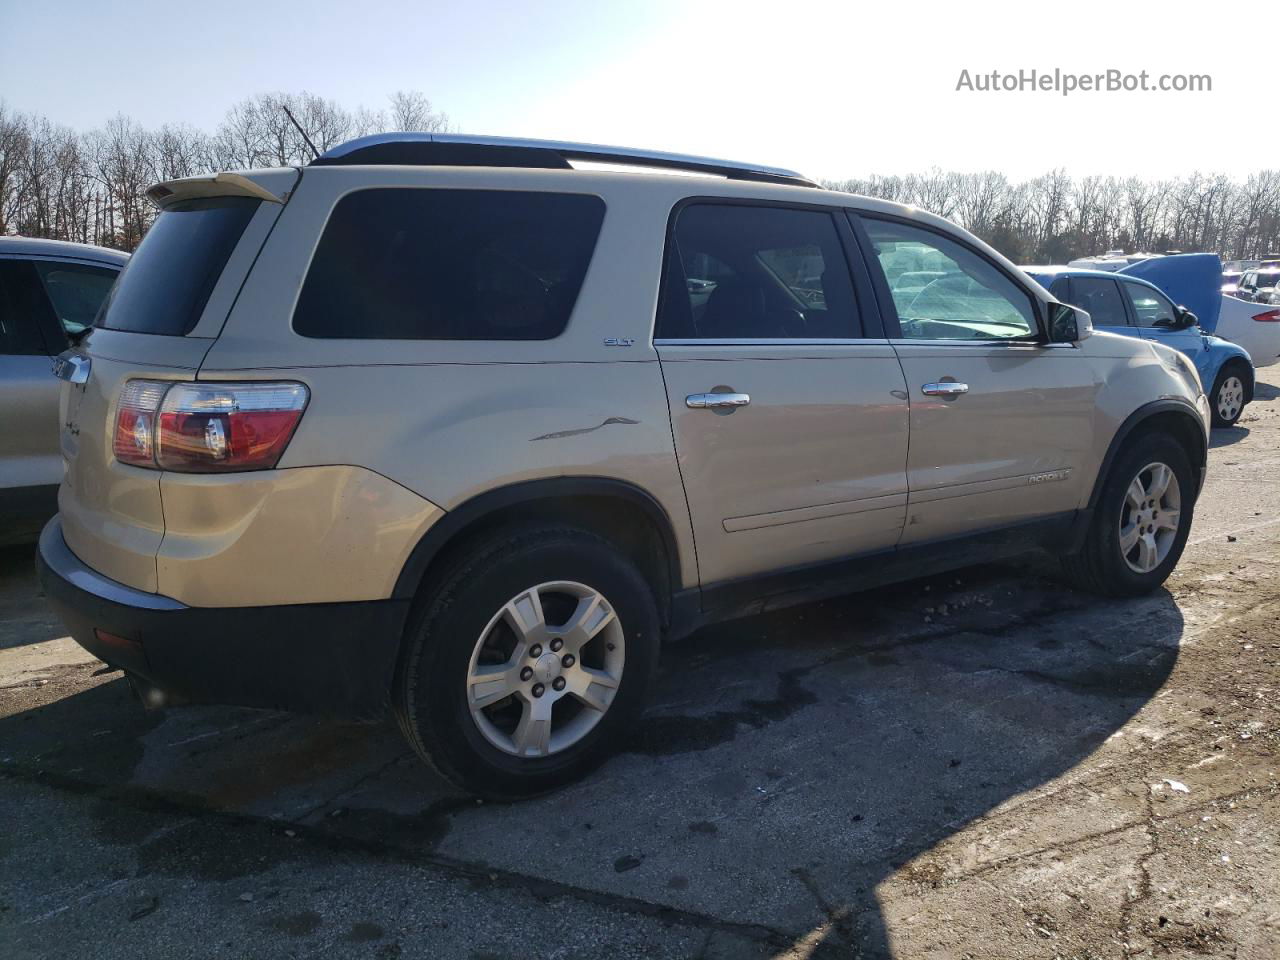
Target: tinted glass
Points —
{"points": [[1153, 309], [1100, 298], [944, 291], [24, 309], [405, 264], [1268, 280], [742, 272], [168, 280], [76, 291]]}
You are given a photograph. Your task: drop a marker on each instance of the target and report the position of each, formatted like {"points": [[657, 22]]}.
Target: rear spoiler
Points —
{"points": [[273, 186]]}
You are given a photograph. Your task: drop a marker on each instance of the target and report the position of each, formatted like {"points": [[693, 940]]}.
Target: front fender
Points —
{"points": [[1218, 353], [1174, 410]]}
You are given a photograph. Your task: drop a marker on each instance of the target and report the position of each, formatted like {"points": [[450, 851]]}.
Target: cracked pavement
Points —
{"points": [[984, 764]]}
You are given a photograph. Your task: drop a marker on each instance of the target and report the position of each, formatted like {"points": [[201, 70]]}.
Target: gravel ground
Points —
{"points": [[981, 765]]}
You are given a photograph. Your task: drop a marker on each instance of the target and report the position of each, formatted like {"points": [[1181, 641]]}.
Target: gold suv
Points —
{"points": [[464, 427]]}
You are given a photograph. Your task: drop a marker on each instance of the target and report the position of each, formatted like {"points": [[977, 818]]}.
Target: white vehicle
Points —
{"points": [[1254, 326]]}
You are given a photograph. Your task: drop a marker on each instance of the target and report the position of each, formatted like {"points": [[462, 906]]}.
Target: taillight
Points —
{"points": [[207, 427], [135, 439], [1271, 316]]}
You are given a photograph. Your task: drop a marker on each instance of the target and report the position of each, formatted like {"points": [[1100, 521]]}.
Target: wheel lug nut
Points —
{"points": [[568, 660], [539, 689], [526, 673], [535, 651], [558, 683], [556, 644]]}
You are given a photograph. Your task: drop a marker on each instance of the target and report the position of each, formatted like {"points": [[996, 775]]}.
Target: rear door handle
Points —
{"points": [[716, 401], [948, 388]]}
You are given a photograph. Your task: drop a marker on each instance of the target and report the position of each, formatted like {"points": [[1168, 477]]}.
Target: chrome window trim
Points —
{"points": [[77, 261], [768, 342], [981, 344]]}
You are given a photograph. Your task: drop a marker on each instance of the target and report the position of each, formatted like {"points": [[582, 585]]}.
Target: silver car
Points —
{"points": [[49, 294]]}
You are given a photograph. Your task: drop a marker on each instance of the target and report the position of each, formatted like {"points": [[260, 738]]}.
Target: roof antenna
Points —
{"points": [[315, 154]]}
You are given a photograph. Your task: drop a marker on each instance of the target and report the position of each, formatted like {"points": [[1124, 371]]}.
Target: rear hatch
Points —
{"points": [[163, 314]]}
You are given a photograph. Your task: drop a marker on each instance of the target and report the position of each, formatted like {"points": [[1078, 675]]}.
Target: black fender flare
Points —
{"points": [[442, 532], [1134, 421]]}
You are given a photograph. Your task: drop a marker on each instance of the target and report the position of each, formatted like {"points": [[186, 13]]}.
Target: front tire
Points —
{"points": [[1226, 399], [532, 653], [1141, 522]]}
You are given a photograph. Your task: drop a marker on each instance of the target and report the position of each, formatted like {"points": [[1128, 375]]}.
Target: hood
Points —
{"points": [[1192, 280]]}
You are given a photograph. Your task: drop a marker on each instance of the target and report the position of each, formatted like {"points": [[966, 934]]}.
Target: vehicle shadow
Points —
{"points": [[24, 616], [1265, 391], [924, 723], [1226, 436], [792, 762]]}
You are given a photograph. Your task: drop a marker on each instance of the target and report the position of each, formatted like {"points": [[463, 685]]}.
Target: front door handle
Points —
{"points": [[948, 389], [716, 401]]}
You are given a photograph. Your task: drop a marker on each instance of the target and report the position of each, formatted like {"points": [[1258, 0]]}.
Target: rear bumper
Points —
{"points": [[332, 658]]}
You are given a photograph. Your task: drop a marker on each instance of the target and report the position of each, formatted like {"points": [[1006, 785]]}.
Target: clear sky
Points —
{"points": [[834, 89]]}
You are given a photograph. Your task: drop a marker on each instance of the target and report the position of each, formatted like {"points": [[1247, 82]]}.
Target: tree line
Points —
{"points": [[89, 186], [1055, 218]]}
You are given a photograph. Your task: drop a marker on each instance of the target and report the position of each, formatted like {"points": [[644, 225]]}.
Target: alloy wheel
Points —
{"points": [[545, 669], [1150, 517]]}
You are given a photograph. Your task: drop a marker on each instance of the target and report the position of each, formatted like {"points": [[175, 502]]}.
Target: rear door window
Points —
{"points": [[76, 291], [739, 272], [167, 282], [433, 264], [1099, 297], [24, 310]]}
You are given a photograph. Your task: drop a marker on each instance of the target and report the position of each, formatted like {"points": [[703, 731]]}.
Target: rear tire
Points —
{"points": [[1227, 398], [1141, 522], [507, 705]]}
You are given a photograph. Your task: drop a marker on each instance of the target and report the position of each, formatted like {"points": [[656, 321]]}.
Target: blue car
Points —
{"points": [[1137, 308]]}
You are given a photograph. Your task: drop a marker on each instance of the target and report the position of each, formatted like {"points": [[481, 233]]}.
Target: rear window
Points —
{"points": [[427, 264], [167, 283]]}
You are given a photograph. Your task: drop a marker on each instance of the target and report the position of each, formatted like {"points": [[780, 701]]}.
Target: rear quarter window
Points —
{"points": [[167, 282], [432, 264]]}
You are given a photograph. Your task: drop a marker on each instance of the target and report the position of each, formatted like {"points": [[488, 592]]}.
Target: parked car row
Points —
{"points": [[417, 427], [1131, 306], [1260, 284]]}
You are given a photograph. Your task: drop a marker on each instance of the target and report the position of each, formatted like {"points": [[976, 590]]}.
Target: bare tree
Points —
{"points": [[411, 111], [181, 151], [15, 143], [55, 182]]}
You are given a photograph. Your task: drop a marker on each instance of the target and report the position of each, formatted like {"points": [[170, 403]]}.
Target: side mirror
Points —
{"points": [[1068, 324], [1183, 319]]}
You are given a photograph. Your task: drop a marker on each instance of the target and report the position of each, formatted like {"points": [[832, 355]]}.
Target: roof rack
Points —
{"points": [[454, 149]]}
